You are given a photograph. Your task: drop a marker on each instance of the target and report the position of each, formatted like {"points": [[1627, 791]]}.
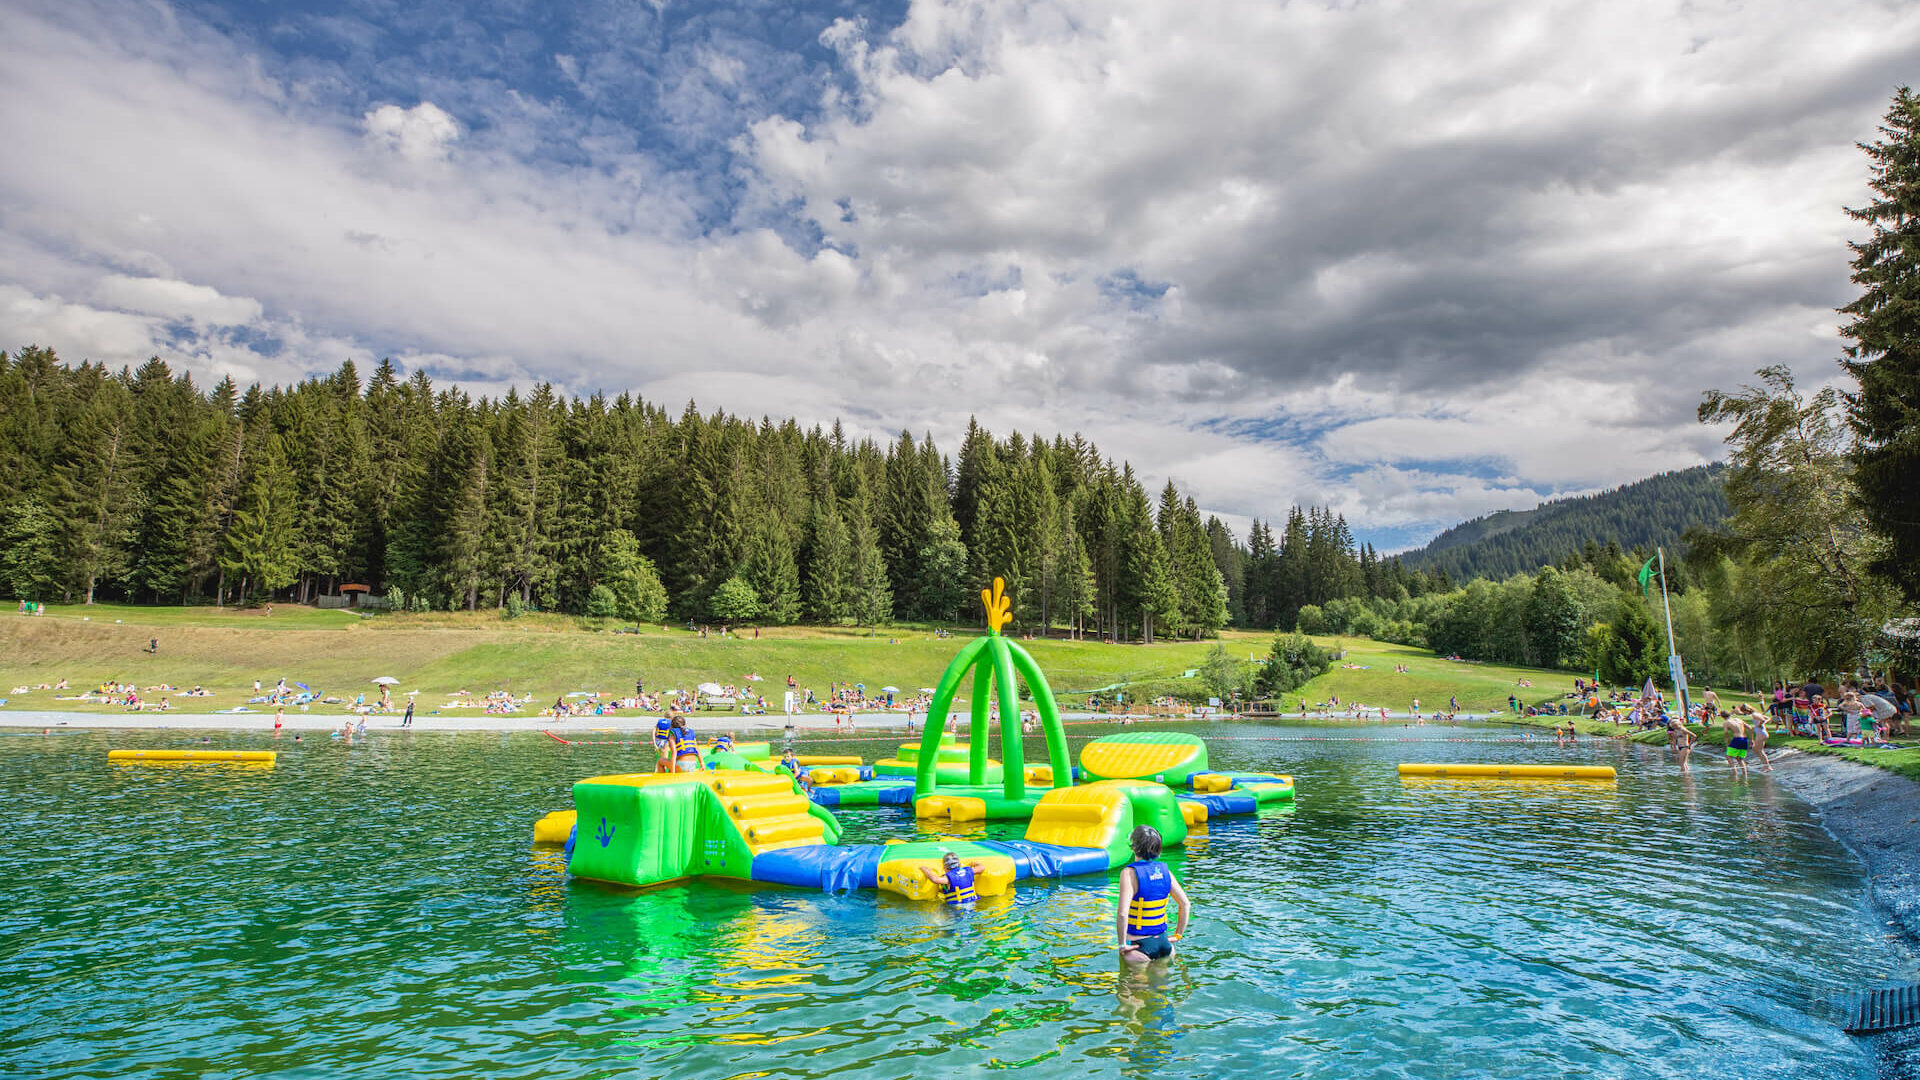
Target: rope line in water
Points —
{"points": [[1211, 738]]}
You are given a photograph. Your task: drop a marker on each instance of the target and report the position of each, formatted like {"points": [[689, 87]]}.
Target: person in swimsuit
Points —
{"points": [[1680, 741], [1759, 721], [956, 881], [723, 741], [1737, 746], [1146, 885]]}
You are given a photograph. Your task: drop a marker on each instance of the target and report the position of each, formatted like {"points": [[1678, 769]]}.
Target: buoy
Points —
{"points": [[1512, 772], [191, 755]]}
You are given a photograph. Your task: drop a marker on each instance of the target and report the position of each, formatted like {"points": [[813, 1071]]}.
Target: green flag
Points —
{"points": [[1646, 577]]}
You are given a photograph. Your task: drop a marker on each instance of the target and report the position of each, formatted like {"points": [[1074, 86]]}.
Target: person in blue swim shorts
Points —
{"points": [[1146, 887]]}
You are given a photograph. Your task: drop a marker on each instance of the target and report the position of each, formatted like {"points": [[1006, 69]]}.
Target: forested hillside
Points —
{"points": [[1643, 514], [139, 485]]}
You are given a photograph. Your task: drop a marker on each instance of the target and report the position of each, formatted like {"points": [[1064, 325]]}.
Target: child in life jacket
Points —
{"points": [[956, 884], [686, 747], [1146, 885]]}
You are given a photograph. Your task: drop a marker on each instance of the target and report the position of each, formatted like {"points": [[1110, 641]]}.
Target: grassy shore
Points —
{"points": [[1899, 762], [338, 652]]}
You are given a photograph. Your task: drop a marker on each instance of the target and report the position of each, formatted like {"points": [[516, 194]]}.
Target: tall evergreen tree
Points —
{"points": [[1884, 354]]}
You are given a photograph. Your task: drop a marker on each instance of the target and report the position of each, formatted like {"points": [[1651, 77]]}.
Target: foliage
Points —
{"points": [[630, 579], [735, 601], [1884, 354], [1222, 676], [1795, 526], [1292, 662]]}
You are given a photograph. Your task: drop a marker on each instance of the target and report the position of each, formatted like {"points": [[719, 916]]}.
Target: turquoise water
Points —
{"points": [[378, 910]]}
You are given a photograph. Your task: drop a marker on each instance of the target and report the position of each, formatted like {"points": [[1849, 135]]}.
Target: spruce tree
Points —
{"points": [[829, 565], [261, 544], [1885, 351]]}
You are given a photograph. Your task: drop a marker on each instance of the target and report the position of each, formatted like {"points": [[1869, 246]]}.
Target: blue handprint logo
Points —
{"points": [[605, 832]]}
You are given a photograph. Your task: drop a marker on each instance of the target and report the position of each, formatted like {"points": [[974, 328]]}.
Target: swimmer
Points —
{"points": [[1145, 887], [790, 762], [1680, 741], [1737, 744], [956, 884], [723, 741]]}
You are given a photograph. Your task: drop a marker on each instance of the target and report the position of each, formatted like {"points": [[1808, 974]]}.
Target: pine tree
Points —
{"points": [[1885, 351], [96, 493], [261, 543], [829, 566], [869, 598], [771, 571]]}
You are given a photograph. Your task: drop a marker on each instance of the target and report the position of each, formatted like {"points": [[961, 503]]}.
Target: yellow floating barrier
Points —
{"points": [[1512, 772], [191, 755]]}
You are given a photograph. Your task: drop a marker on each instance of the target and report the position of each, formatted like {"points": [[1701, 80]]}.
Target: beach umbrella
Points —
{"points": [[387, 680], [889, 689], [710, 688]]}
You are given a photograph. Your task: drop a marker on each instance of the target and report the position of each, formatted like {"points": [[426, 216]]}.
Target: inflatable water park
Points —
{"points": [[745, 816]]}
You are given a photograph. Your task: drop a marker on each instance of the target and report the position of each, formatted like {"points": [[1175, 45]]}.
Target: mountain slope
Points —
{"points": [[1653, 511]]}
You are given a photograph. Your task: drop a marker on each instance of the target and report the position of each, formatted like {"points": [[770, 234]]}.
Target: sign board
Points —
{"points": [[1213, 703], [790, 709]]}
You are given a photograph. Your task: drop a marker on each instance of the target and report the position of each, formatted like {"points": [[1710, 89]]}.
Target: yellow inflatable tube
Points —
{"points": [[555, 827], [1512, 772], [191, 755]]}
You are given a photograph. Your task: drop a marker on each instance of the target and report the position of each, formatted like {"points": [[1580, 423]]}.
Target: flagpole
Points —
{"points": [[1679, 681], [1668, 608]]}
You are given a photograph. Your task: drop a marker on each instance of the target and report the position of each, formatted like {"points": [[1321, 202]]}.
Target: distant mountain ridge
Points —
{"points": [[1645, 513]]}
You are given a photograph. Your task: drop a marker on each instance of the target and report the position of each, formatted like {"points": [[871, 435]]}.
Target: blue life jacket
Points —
{"points": [[686, 744], [723, 742], [1147, 913], [959, 887], [662, 730]]}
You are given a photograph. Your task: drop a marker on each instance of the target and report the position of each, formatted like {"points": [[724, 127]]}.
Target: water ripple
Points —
{"points": [[377, 910]]}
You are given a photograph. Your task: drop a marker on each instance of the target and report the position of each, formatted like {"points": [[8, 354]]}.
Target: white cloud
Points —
{"points": [[1475, 252], [422, 133]]}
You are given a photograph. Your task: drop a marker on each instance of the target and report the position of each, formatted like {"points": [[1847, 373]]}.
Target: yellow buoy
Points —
{"points": [[1512, 772], [191, 755]]}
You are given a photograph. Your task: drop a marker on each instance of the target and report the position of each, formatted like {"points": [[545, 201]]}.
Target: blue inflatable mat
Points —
{"points": [[1233, 802], [1031, 860], [827, 867]]}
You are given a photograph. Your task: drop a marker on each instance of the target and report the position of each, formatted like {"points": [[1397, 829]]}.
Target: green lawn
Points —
{"points": [[1367, 675], [544, 655], [284, 617]]}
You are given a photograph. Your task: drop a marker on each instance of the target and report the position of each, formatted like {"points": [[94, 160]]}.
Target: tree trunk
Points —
{"points": [[220, 589]]}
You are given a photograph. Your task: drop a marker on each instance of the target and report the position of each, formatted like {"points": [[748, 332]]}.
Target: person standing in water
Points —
{"points": [[1146, 885], [407, 720], [1680, 741], [1737, 744]]}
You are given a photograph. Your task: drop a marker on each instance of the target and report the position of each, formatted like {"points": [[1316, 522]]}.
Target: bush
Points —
{"points": [[515, 607], [601, 603], [1294, 662], [1313, 620]]}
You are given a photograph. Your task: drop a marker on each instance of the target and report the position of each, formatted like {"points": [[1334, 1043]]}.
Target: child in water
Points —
{"points": [[1145, 887], [956, 884]]}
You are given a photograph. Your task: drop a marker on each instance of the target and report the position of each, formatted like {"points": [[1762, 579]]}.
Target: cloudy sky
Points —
{"points": [[1419, 261]]}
